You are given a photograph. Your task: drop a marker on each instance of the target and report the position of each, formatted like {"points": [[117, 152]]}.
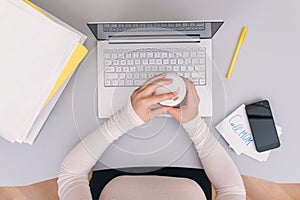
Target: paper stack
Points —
{"points": [[38, 55], [237, 132]]}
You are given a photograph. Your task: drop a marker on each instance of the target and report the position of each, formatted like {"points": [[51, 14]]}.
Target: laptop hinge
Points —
{"points": [[154, 39]]}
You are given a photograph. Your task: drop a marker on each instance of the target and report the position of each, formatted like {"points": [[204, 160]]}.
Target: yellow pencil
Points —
{"points": [[236, 52]]}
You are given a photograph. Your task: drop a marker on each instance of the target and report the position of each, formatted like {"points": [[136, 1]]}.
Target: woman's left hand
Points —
{"points": [[144, 97]]}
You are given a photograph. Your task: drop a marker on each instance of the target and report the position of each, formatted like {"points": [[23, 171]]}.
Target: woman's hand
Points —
{"points": [[143, 98], [189, 111]]}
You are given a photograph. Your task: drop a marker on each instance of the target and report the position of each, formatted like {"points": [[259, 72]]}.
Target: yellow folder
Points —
{"points": [[77, 56]]}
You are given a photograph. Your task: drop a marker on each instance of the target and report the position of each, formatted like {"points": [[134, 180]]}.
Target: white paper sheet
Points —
{"points": [[33, 53]]}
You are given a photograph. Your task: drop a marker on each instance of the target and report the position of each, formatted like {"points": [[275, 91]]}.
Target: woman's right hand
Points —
{"points": [[187, 112], [144, 97]]}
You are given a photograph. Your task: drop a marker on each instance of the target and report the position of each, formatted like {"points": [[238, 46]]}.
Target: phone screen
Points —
{"points": [[262, 126]]}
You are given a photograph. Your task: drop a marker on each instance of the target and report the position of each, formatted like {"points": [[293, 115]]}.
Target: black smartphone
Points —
{"points": [[262, 126]]}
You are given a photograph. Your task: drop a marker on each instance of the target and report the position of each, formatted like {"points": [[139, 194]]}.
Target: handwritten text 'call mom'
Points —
{"points": [[239, 130]]}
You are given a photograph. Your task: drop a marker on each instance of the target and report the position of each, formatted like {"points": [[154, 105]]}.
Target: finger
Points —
{"points": [[152, 87], [154, 78], [157, 111], [176, 113], [159, 98]]}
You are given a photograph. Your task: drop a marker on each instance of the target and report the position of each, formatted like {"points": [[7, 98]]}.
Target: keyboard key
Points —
{"points": [[162, 68], [135, 55], [186, 54], [171, 55], [165, 61], [200, 54], [122, 76], [169, 69], [173, 61], [188, 61], [176, 68], [157, 54], [180, 61], [129, 76], [147, 68], [190, 68], [143, 76], [140, 68], [154, 68], [145, 61], [123, 62], [150, 55], [129, 82], [183, 68], [121, 55], [158, 61], [111, 76], [142, 55], [150, 75], [114, 55], [151, 61], [138, 82], [202, 82], [195, 61], [199, 67], [107, 83], [107, 62], [130, 62], [125, 69], [186, 75], [196, 75], [137, 62], [115, 82], [195, 81], [136, 76], [164, 55], [132, 69], [201, 60], [109, 69], [116, 62], [106, 55], [118, 69], [128, 55]]}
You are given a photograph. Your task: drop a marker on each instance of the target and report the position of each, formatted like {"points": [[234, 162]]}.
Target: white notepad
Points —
{"points": [[23, 36]]}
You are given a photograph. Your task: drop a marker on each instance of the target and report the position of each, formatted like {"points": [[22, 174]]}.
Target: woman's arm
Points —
{"points": [[73, 177], [216, 162]]}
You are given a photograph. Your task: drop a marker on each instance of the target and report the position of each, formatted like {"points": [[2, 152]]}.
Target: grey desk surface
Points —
{"points": [[267, 67]]}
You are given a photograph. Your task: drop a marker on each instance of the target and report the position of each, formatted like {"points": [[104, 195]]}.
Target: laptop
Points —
{"points": [[129, 53]]}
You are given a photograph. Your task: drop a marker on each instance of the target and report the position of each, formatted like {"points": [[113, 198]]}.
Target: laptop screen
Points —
{"points": [[105, 30]]}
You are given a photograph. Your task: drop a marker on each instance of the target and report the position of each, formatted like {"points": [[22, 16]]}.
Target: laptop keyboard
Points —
{"points": [[144, 27], [132, 67]]}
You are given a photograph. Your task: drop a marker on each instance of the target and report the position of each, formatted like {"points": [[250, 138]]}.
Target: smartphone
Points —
{"points": [[262, 126]]}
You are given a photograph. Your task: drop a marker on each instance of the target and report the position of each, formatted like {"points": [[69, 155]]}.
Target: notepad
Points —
{"points": [[35, 67], [236, 130]]}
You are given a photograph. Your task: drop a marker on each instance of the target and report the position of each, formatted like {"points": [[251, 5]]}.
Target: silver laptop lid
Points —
{"points": [[108, 30]]}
